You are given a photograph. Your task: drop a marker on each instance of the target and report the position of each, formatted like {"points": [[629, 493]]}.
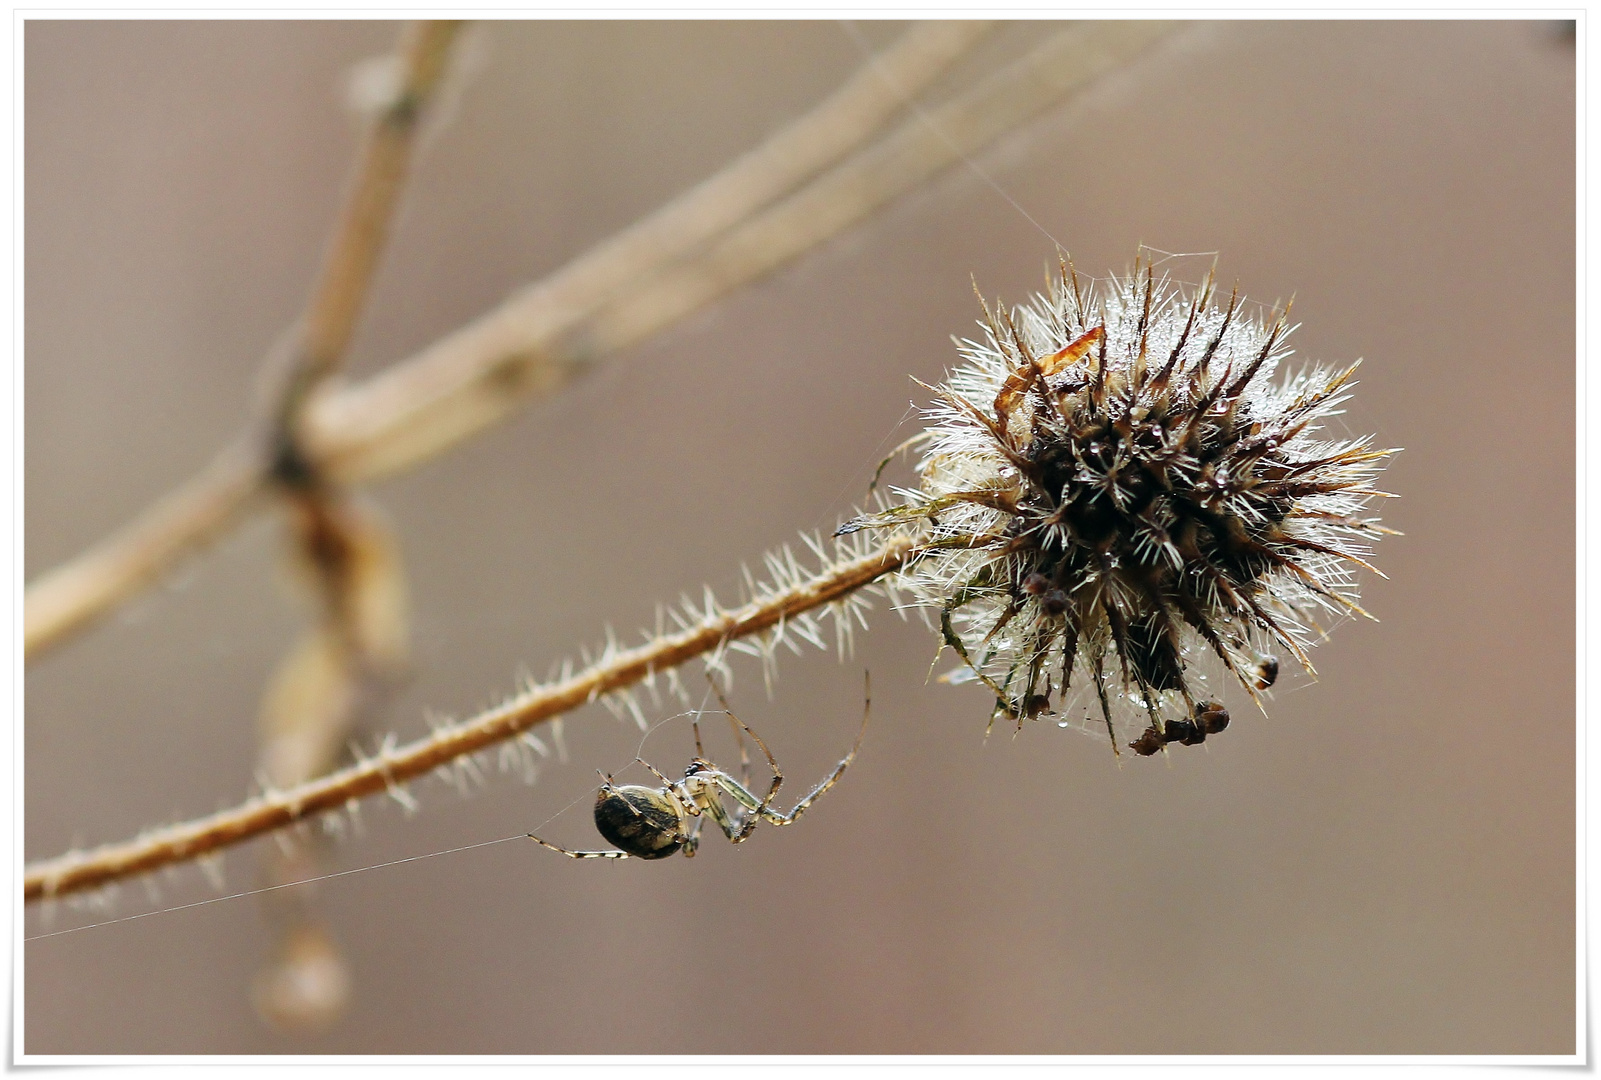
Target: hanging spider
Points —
{"points": [[653, 823]]}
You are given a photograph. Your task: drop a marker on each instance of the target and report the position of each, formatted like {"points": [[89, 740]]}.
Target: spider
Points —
{"points": [[653, 823]]}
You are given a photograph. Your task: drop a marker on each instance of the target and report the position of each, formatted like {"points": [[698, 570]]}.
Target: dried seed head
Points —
{"points": [[1116, 486]]}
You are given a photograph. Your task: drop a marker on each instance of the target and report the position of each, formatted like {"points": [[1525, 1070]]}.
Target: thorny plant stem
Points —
{"points": [[391, 768], [480, 373]]}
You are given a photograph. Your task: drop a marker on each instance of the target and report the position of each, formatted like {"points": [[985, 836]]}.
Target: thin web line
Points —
{"points": [[359, 869], [922, 115], [274, 888], [830, 509]]}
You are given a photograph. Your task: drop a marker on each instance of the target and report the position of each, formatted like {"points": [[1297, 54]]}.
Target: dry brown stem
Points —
{"points": [[68, 597], [344, 549], [345, 278], [357, 647], [836, 127], [529, 346], [480, 373], [393, 767], [63, 600], [332, 532]]}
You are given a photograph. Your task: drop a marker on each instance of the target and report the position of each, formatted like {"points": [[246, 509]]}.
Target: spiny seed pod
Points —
{"points": [[1115, 487]]}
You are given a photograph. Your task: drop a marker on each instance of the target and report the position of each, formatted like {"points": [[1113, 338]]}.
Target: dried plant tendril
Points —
{"points": [[1115, 487]]}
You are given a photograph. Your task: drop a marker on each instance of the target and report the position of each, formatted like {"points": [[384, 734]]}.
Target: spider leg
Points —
{"points": [[954, 640], [760, 809], [763, 809], [744, 752], [581, 854], [692, 840], [607, 785], [800, 807], [734, 724], [737, 826], [666, 783]]}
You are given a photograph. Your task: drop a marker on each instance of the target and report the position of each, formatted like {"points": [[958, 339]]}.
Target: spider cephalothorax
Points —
{"points": [[1115, 484]]}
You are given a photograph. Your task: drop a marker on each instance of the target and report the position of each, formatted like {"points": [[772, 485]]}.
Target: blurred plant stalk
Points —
{"points": [[356, 649], [715, 238]]}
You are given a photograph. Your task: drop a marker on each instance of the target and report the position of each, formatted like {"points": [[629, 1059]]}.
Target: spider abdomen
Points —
{"points": [[645, 822]]}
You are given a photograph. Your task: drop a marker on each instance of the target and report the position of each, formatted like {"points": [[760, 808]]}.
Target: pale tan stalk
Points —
{"points": [[68, 597], [329, 536], [528, 348], [357, 648], [345, 278], [911, 155], [468, 380], [836, 127], [65, 599], [71, 596], [391, 768]]}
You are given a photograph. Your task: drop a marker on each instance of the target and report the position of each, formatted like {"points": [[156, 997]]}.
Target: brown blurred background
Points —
{"points": [[1384, 866]]}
